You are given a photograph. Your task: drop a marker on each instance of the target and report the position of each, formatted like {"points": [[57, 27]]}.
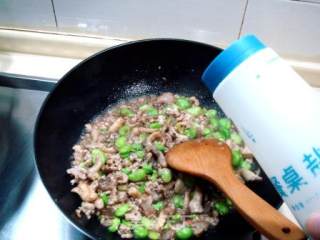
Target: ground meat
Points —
{"points": [[167, 98], [122, 197], [78, 172], [179, 186], [116, 125], [146, 205], [133, 216], [107, 183], [87, 209], [168, 190], [199, 227], [249, 175], [195, 204], [107, 214], [119, 162], [153, 189], [113, 197], [186, 200], [170, 209], [86, 191], [161, 220], [134, 192], [121, 178], [168, 234], [99, 203], [125, 231]]}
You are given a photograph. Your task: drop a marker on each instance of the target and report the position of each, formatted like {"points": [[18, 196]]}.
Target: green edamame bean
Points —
{"points": [[154, 235], [225, 132], [194, 111], [214, 123], [97, 154], [140, 154], [142, 188], [127, 223], [140, 232], [206, 131], [155, 125], [137, 147], [152, 111], [190, 133], [126, 170], [105, 198], [158, 206], [154, 175], [146, 222], [225, 123], [159, 146], [114, 225], [178, 201], [137, 175], [125, 151], [211, 113], [245, 165], [126, 112], [237, 158], [121, 141], [176, 218], [147, 168], [221, 207], [183, 103], [184, 233], [166, 175], [219, 136], [235, 137], [122, 210], [123, 131], [144, 107]]}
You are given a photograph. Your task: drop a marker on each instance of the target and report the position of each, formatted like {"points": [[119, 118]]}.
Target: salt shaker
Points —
{"points": [[278, 116]]}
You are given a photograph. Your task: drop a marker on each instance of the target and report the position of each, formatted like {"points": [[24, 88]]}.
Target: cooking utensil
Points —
{"points": [[211, 159], [123, 72]]}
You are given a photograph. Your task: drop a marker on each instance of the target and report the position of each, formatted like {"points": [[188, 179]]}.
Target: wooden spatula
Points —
{"points": [[211, 160]]}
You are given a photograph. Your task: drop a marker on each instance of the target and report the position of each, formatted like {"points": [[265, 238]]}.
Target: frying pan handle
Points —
{"points": [[259, 213]]}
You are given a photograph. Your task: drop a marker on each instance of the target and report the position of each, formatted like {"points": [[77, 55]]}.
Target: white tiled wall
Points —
{"points": [[35, 14], [292, 28], [311, 1], [212, 21]]}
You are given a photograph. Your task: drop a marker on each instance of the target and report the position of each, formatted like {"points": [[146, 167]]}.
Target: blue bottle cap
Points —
{"points": [[229, 59]]}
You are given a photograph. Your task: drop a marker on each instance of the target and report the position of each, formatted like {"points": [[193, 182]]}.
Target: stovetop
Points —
{"points": [[26, 210]]}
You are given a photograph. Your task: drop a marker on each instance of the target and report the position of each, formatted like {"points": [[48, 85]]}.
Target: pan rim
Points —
{"points": [[61, 82]]}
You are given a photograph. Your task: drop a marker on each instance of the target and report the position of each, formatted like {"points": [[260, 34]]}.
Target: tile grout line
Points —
{"points": [[54, 13], [62, 34], [306, 1], [243, 18]]}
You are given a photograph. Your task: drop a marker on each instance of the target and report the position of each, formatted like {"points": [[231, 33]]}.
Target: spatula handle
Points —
{"points": [[259, 213]]}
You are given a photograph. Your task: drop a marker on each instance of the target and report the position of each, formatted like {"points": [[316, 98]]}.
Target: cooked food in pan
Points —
{"points": [[120, 172]]}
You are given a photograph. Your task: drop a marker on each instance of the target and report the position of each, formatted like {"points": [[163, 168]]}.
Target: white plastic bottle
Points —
{"points": [[278, 116]]}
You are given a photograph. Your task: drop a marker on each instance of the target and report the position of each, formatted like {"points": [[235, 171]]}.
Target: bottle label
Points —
{"points": [[278, 115]]}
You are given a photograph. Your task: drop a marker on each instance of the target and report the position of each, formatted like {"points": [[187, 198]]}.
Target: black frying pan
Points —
{"points": [[123, 72]]}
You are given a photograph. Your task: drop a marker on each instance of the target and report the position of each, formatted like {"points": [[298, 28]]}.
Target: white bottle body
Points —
{"points": [[278, 116]]}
